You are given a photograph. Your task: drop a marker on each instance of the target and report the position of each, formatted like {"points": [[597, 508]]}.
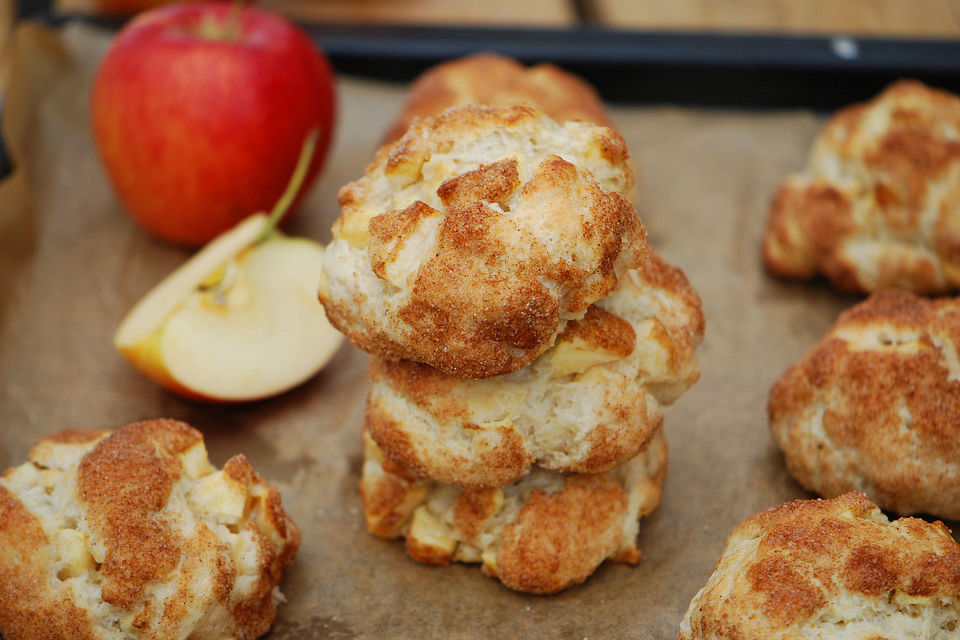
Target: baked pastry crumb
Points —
{"points": [[133, 534], [491, 79], [875, 406], [542, 534], [879, 202], [470, 242], [830, 570]]}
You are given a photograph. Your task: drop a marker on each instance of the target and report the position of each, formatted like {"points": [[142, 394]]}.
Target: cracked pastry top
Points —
{"points": [[588, 404], [470, 242], [541, 534], [879, 203], [133, 534], [875, 406], [491, 79], [830, 570]]}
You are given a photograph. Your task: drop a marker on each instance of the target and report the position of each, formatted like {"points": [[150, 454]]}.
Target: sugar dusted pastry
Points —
{"points": [[542, 534], [471, 242], [830, 570], [133, 534], [491, 79], [875, 406], [588, 404], [879, 203]]}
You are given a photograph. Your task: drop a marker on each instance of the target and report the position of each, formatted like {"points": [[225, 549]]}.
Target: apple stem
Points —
{"points": [[296, 181], [233, 19]]}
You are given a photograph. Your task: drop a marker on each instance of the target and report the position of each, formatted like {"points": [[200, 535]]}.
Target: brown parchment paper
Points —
{"points": [[72, 263]]}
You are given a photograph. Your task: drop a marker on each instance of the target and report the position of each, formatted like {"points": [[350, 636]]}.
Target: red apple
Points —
{"points": [[200, 111]]}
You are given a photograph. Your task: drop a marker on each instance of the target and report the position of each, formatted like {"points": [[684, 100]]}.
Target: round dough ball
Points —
{"points": [[470, 242], [487, 78], [133, 534], [542, 534], [878, 205], [875, 406], [830, 570]]}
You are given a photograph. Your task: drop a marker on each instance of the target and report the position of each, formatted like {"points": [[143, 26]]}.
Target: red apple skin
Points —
{"points": [[196, 132]]}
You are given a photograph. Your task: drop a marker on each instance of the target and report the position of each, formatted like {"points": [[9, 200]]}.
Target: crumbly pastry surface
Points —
{"points": [[492, 79], [542, 534], [830, 570], [879, 203], [470, 242], [589, 403], [134, 535], [875, 406]]}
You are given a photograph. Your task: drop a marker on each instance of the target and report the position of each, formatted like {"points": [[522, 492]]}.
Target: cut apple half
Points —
{"points": [[239, 321]]}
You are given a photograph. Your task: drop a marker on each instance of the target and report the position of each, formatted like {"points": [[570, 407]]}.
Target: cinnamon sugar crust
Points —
{"points": [[875, 406], [830, 569], [542, 534], [879, 201], [470, 242], [115, 535], [586, 405]]}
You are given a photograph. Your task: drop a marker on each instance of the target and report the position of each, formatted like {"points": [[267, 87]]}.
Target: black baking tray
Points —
{"points": [[699, 68], [730, 70]]}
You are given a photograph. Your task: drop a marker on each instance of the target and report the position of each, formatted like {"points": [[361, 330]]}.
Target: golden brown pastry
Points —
{"points": [[132, 534], [588, 404], [875, 406], [542, 534], [830, 570], [878, 205], [491, 79], [470, 242]]}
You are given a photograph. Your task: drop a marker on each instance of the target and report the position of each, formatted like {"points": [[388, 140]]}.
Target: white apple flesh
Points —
{"points": [[239, 321]]}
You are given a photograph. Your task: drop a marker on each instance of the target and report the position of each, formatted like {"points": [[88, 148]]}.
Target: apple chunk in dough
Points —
{"points": [[238, 321]]}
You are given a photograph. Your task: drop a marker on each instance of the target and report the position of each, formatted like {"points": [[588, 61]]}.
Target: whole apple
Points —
{"points": [[200, 111]]}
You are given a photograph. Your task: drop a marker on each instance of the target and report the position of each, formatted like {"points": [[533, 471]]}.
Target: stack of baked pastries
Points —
{"points": [[524, 339]]}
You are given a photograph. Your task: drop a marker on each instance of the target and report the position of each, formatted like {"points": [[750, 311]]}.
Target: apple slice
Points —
{"points": [[238, 321]]}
